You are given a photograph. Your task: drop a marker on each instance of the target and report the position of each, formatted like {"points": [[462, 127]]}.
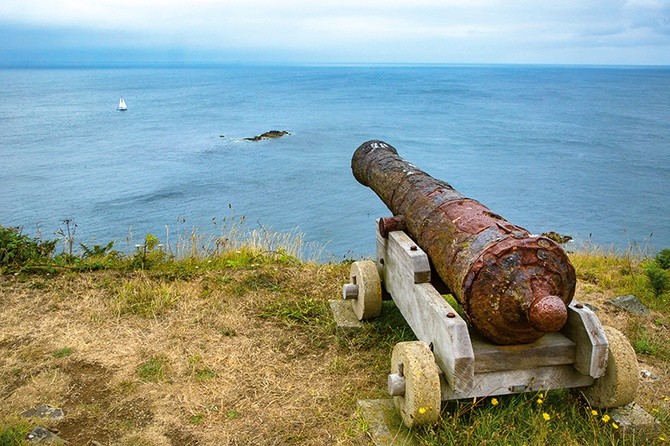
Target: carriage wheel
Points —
{"points": [[420, 404], [368, 302], [618, 386]]}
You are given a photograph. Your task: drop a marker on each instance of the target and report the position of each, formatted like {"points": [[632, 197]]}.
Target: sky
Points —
{"points": [[598, 32]]}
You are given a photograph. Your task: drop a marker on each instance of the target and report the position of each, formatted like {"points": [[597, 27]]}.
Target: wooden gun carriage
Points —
{"points": [[526, 349]]}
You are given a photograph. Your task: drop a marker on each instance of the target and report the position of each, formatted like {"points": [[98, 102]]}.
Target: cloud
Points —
{"points": [[371, 30], [652, 14]]}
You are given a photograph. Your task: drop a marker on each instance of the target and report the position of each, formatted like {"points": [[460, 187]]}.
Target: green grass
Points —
{"points": [[146, 298], [13, 432], [154, 369], [614, 274], [551, 418], [63, 352], [649, 339], [233, 414], [623, 273], [197, 419], [200, 371], [383, 332], [306, 310]]}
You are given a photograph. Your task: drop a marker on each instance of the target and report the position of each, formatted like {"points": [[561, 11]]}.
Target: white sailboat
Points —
{"points": [[122, 105]]}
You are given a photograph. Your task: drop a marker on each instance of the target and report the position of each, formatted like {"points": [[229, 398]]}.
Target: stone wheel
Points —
{"points": [[368, 304], [618, 385], [422, 400]]}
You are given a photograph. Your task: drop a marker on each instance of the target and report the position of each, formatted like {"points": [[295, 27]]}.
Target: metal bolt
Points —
{"points": [[350, 291], [381, 261], [579, 306], [451, 314], [396, 384], [413, 248]]}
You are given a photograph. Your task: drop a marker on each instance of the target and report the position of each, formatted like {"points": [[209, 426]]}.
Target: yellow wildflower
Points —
{"points": [[605, 418], [546, 416], [665, 398], [494, 401], [594, 413], [422, 410], [540, 401], [614, 425], [662, 438]]}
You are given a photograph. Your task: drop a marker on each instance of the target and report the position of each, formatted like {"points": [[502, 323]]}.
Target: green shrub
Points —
{"points": [[658, 278], [97, 250], [18, 250], [663, 259]]}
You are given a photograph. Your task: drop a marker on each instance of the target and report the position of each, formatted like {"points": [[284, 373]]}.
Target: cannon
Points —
{"points": [[512, 285], [518, 328]]}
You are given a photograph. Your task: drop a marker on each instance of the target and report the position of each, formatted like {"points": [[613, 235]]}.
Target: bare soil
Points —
{"points": [[240, 357]]}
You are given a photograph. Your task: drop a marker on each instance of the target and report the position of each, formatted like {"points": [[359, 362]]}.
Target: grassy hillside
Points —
{"points": [[217, 342]]}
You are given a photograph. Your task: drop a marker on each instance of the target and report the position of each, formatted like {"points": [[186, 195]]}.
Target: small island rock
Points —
{"points": [[558, 238], [267, 135]]}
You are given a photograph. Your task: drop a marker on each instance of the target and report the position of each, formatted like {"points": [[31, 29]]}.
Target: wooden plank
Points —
{"points": [[409, 256], [429, 315], [585, 330], [550, 349], [518, 381]]}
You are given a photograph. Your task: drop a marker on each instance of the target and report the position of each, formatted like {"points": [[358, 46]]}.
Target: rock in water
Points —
{"points": [[558, 238], [267, 135]]}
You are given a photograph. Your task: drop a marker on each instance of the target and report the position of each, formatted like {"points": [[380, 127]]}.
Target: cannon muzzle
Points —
{"points": [[513, 286]]}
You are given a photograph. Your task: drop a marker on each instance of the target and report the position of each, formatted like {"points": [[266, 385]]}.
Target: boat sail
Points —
{"points": [[122, 105]]}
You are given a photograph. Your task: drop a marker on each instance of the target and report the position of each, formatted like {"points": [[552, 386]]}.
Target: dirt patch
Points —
{"points": [[88, 383], [94, 411], [181, 438]]}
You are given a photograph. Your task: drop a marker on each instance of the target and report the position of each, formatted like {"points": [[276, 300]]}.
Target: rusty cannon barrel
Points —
{"points": [[513, 286]]}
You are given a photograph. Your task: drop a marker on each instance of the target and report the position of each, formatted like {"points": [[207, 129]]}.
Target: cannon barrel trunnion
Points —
{"points": [[515, 289]]}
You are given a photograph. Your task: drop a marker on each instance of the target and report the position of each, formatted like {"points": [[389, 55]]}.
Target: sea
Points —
{"points": [[580, 150]]}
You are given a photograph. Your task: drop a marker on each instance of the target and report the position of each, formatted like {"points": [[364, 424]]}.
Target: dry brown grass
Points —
{"points": [[237, 363]]}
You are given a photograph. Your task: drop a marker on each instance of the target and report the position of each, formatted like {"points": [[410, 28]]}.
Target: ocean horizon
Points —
{"points": [[580, 150]]}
